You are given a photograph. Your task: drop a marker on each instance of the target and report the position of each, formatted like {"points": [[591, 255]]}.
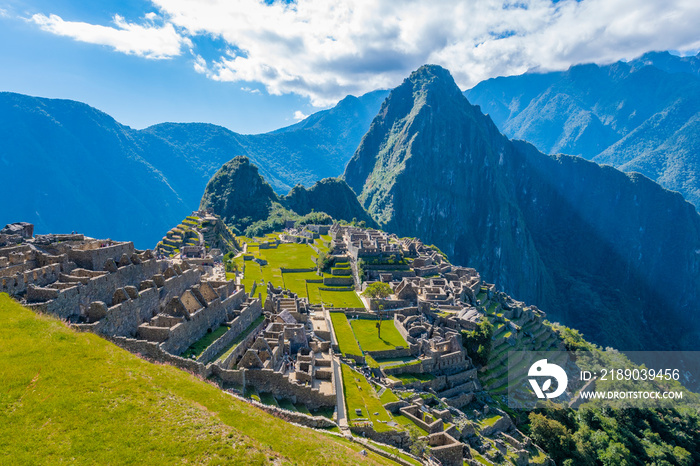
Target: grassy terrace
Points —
{"points": [[344, 335], [410, 378], [70, 397], [359, 394], [366, 334], [198, 347], [291, 256]]}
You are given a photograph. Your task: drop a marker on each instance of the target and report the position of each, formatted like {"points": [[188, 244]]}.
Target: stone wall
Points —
{"points": [[242, 347], [436, 425], [154, 352], [75, 301], [94, 259], [124, 318], [392, 437], [399, 352], [18, 284], [237, 326], [338, 281], [314, 422], [266, 380], [185, 333], [388, 303]]}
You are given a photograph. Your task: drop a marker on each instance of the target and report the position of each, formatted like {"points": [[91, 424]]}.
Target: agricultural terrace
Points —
{"points": [[370, 339], [304, 281], [360, 395], [344, 335]]}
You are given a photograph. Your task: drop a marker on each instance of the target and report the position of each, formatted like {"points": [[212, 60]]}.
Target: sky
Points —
{"points": [[254, 66]]}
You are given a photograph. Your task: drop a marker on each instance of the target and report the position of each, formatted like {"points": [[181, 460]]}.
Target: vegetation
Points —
{"points": [[359, 394], [366, 333], [70, 396], [477, 342], [324, 261], [203, 343], [343, 334], [377, 290]]}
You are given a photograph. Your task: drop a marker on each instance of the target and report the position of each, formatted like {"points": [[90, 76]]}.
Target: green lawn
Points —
{"points": [[360, 394], [388, 397], [344, 335], [367, 335], [290, 256], [71, 397], [340, 298]]}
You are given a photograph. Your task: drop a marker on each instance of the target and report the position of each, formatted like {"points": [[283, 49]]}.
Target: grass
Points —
{"points": [[292, 256], [343, 334], [236, 341], [287, 404], [70, 397], [301, 407], [397, 452], [366, 334], [198, 347], [360, 394], [268, 399], [406, 422], [489, 421], [388, 397], [410, 378], [395, 361], [340, 298]]}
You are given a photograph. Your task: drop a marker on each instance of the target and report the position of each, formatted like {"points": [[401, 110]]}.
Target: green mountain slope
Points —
{"points": [[243, 199], [637, 116], [613, 255], [75, 397]]}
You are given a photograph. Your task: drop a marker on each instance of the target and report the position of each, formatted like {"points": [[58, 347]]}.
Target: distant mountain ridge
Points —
{"points": [[72, 167], [642, 115], [592, 246]]}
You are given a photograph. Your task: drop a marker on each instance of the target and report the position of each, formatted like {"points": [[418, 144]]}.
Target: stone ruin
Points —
{"points": [[293, 349]]}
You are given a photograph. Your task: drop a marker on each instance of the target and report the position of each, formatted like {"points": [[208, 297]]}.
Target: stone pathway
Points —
{"points": [[340, 398]]}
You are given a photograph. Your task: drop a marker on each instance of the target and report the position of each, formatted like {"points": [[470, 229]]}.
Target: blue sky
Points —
{"points": [[255, 66]]}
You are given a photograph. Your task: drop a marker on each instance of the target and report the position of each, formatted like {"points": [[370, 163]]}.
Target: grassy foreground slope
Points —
{"points": [[69, 397]]}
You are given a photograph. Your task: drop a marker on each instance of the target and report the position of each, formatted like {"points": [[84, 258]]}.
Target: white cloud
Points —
{"points": [[298, 115], [4, 13], [326, 49], [150, 41], [200, 65], [251, 90]]}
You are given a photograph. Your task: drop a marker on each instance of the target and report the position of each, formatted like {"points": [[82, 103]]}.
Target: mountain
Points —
{"points": [[613, 254], [330, 195], [315, 148], [638, 116], [247, 203], [75, 167], [68, 166]]}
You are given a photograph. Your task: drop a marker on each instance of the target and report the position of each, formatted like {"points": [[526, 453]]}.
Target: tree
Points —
{"points": [[552, 436], [477, 342], [377, 290], [323, 262], [419, 445]]}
